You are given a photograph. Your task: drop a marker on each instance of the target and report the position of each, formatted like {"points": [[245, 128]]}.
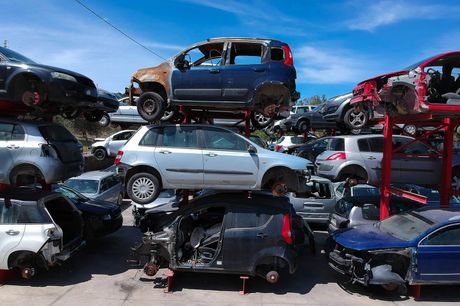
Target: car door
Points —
{"points": [[12, 141], [438, 256], [117, 141], [244, 69], [200, 79], [371, 152], [180, 157], [317, 203], [11, 232], [227, 161]]}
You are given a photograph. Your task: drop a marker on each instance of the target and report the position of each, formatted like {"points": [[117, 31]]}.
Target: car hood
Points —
{"points": [[97, 207], [296, 162], [98, 144], [367, 237], [56, 69], [336, 101]]}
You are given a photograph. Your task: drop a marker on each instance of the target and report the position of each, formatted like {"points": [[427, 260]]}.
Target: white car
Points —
{"points": [[110, 145], [203, 156], [285, 142], [38, 229], [167, 196]]}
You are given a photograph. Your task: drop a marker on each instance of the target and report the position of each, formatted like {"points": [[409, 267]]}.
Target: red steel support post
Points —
{"points": [[386, 168], [247, 123], [446, 179]]}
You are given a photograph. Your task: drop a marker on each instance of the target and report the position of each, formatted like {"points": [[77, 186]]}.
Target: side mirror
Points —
{"points": [[252, 149], [181, 63]]}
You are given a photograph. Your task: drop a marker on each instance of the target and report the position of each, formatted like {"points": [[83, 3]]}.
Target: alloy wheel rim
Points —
{"points": [[357, 118], [260, 118], [143, 188], [456, 182]]}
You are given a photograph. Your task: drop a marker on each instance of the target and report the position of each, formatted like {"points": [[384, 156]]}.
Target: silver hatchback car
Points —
{"points": [[361, 157], [203, 156], [39, 152]]}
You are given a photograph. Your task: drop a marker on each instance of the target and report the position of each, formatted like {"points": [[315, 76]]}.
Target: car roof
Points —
{"points": [[366, 136], [26, 194], [240, 39], [95, 175], [439, 215]]}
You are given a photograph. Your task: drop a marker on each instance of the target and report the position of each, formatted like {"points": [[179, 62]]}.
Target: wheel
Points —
{"points": [[355, 131], [410, 129], [279, 189], [120, 199], [32, 93], [302, 127], [260, 121], [151, 106], [100, 153], [168, 115], [355, 120], [94, 116], [272, 277], [105, 120], [143, 188]]}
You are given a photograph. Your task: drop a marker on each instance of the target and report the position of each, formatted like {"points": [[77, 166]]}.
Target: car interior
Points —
{"points": [[444, 83], [68, 219], [198, 236]]}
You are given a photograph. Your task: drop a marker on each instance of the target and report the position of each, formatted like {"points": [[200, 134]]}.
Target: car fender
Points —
{"points": [[153, 165], [279, 251], [354, 163], [264, 169], [42, 75], [23, 163]]}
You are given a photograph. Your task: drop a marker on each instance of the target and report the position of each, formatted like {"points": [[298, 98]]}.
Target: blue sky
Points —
{"points": [[335, 43]]}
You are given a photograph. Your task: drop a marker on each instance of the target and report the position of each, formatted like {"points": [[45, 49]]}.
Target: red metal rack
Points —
{"points": [[442, 118]]}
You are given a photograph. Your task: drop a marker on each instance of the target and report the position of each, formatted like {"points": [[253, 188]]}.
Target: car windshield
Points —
{"points": [[83, 185], [405, 226], [73, 195], [15, 57], [297, 140], [413, 66]]}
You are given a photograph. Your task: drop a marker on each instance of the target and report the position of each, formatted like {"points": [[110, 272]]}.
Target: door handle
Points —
{"points": [[211, 154], [165, 152], [214, 70], [262, 235], [12, 232], [259, 69], [12, 147], [371, 157]]}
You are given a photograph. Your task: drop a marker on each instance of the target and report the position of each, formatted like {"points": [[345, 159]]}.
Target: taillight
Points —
{"points": [[286, 230], [277, 147], [288, 60], [337, 156], [118, 158]]}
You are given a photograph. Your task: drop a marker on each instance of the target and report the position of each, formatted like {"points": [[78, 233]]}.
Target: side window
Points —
{"points": [[122, 136], [248, 219], [340, 188], [337, 144], [18, 133], [150, 138], [105, 183], [8, 213], [216, 139], [416, 148], [376, 144], [205, 55], [277, 54], [112, 181], [447, 236], [363, 145], [246, 54], [6, 131], [180, 137]]}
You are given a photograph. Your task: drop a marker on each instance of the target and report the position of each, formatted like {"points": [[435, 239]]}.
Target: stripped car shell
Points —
{"points": [[411, 90]]}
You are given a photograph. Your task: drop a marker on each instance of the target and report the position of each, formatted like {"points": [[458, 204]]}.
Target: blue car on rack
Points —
{"points": [[415, 247]]}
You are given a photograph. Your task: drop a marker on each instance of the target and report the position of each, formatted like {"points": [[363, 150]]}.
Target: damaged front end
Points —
{"points": [[385, 267]]}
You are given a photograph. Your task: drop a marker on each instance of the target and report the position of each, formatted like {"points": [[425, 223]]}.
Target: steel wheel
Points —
{"points": [[259, 120]]}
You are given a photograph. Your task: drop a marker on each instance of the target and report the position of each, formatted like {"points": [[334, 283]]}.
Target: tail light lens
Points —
{"points": [[337, 156], [118, 158], [277, 147], [286, 230], [289, 60]]}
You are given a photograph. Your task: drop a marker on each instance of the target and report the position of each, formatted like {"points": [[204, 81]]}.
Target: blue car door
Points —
{"points": [[438, 256], [200, 79], [244, 69]]}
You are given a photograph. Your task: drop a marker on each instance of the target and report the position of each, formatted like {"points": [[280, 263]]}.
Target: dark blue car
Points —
{"points": [[415, 247]]}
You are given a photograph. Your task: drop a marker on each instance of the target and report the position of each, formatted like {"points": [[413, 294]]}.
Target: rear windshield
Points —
{"points": [[56, 133], [83, 186], [15, 57], [21, 213], [336, 144]]}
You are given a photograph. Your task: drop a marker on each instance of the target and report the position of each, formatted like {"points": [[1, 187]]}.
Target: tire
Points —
{"points": [[100, 153], [355, 120], [151, 106], [143, 187], [410, 129], [94, 116], [260, 121], [105, 120], [32, 93], [301, 127]]}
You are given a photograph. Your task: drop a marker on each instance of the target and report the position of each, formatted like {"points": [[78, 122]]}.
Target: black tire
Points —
{"points": [[260, 121], [302, 126], [94, 116], [151, 106], [100, 153], [31, 93], [355, 172], [143, 187], [355, 120], [105, 120]]}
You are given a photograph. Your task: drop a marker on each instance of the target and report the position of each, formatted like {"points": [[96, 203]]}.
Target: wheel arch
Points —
{"points": [[143, 168], [151, 86], [24, 167], [13, 84], [276, 172], [354, 168], [272, 89]]}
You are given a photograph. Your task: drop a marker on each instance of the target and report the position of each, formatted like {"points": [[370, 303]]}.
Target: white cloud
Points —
{"points": [[384, 12], [330, 65]]}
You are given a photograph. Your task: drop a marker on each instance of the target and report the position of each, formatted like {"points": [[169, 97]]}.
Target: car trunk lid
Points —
{"points": [[68, 148]]}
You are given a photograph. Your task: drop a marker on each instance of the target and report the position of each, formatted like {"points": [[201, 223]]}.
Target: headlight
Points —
{"points": [[106, 217], [63, 76]]}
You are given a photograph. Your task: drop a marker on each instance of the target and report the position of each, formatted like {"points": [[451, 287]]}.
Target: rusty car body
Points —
{"points": [[222, 73]]}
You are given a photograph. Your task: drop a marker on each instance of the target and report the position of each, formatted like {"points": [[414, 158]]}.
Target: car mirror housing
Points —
{"points": [[252, 149]]}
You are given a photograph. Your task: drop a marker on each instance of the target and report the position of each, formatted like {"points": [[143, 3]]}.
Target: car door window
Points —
{"points": [[104, 185], [122, 136], [9, 213], [18, 133], [150, 138], [216, 139], [363, 145], [376, 144], [247, 219], [417, 148], [205, 55], [6, 131], [246, 54], [179, 137], [109, 182], [447, 236]]}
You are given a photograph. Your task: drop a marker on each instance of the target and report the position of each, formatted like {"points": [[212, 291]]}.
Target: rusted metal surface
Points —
{"points": [[160, 75]]}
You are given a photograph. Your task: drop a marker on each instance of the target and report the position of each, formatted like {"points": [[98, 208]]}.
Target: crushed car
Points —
{"points": [[38, 229], [43, 91], [221, 73], [225, 233], [415, 247], [408, 91]]}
